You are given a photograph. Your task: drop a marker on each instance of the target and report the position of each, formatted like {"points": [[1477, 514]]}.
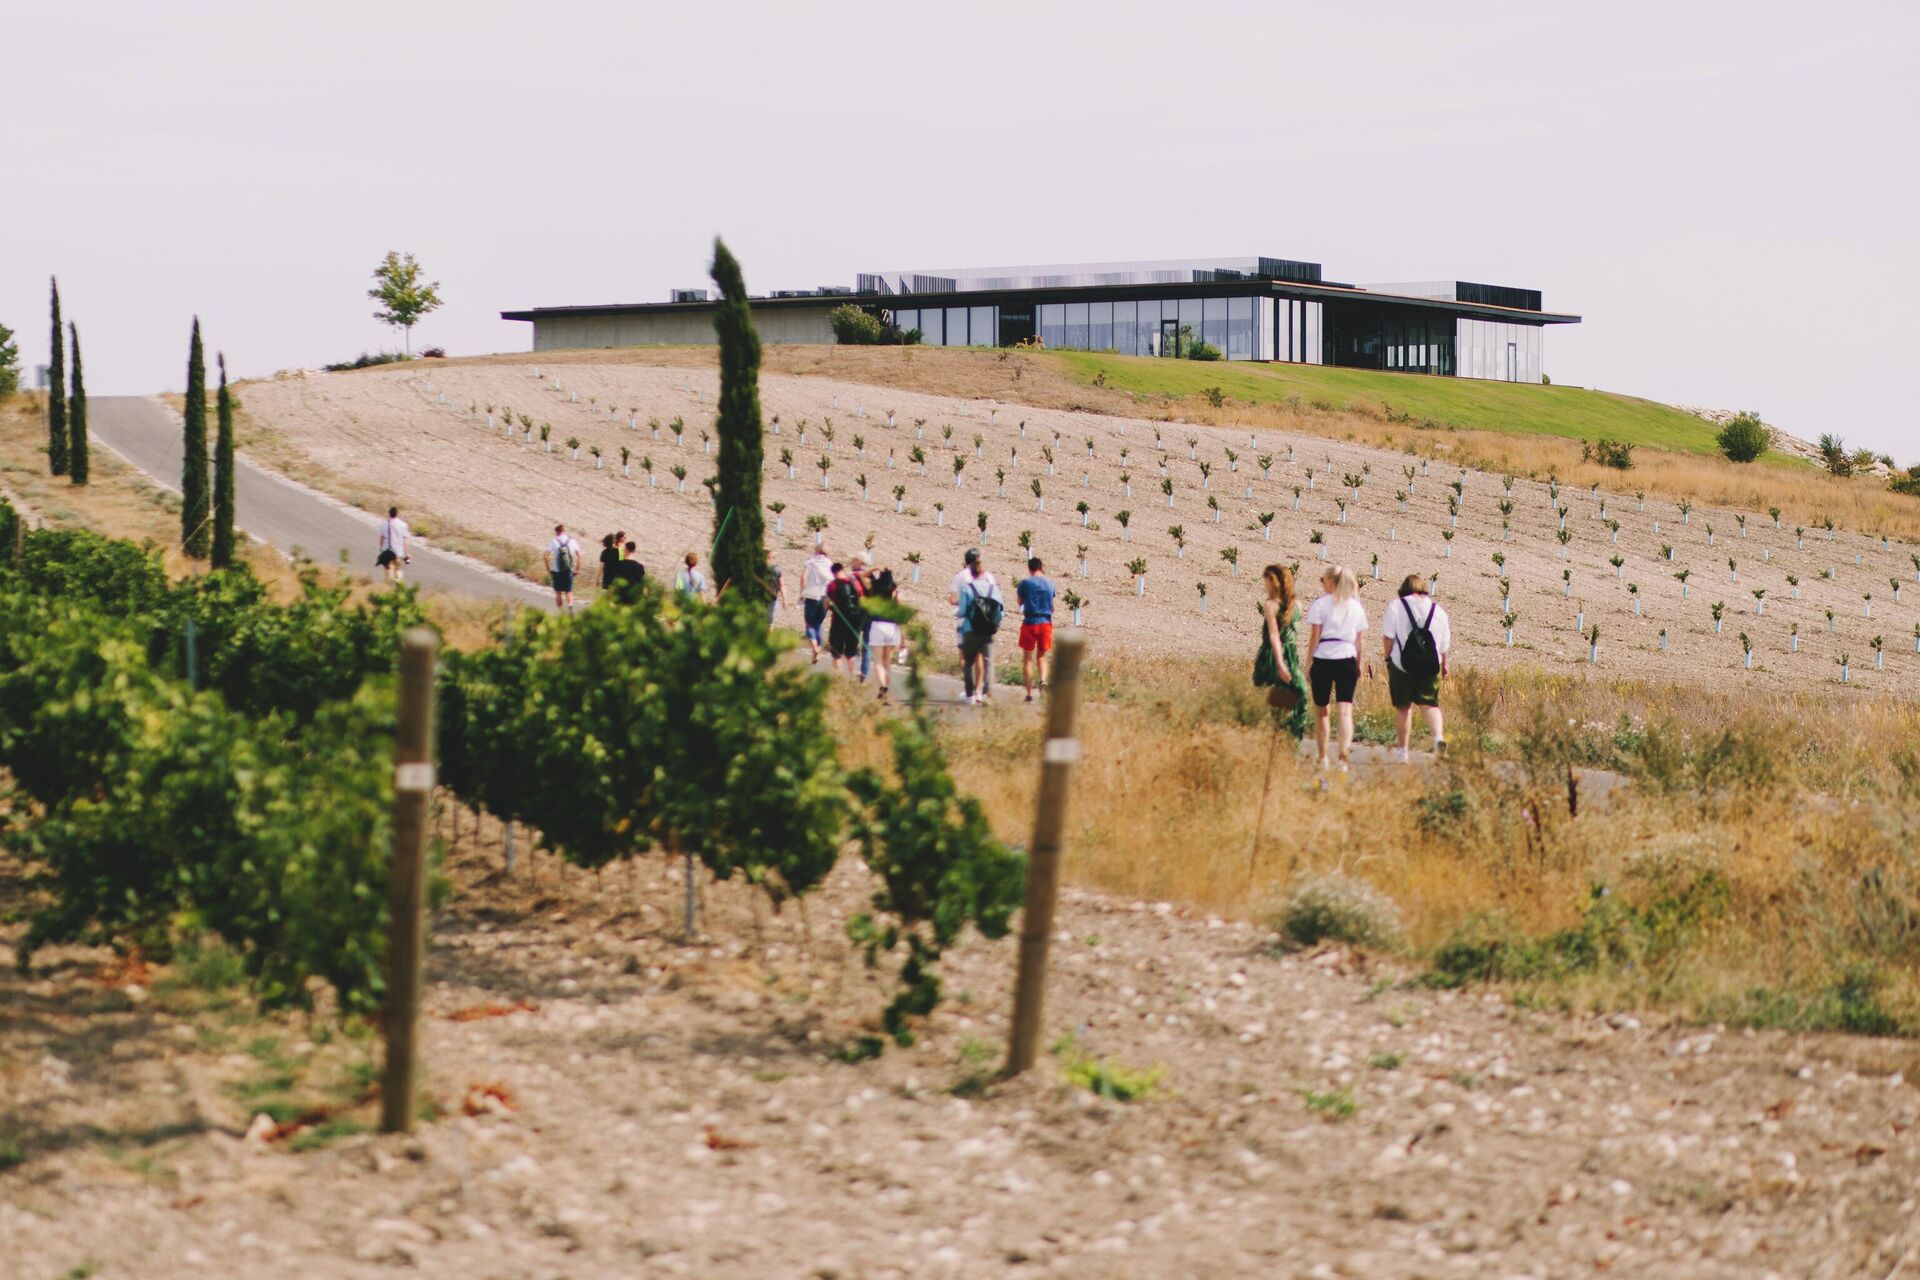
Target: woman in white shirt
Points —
{"points": [[1337, 622]]}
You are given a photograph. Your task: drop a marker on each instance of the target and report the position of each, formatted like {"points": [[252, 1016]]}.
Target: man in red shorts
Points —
{"points": [[1035, 593]]}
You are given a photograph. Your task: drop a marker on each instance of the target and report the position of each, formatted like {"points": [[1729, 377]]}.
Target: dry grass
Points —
{"points": [[1757, 864]]}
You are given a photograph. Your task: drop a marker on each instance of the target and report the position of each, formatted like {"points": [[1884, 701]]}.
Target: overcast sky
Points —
{"points": [[1726, 192]]}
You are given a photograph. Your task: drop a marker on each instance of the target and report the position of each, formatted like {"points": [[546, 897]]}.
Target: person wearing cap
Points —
{"points": [[975, 634], [960, 583]]}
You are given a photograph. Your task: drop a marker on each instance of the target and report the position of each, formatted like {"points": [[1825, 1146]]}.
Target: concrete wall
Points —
{"points": [[787, 324]]}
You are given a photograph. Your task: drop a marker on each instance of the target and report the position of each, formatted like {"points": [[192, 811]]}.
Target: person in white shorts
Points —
{"points": [[1337, 623]]}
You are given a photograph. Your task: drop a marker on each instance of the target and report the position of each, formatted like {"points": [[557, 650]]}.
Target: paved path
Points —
{"points": [[287, 515]]}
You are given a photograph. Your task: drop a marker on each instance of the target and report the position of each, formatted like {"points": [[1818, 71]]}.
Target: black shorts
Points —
{"points": [[1334, 679]]}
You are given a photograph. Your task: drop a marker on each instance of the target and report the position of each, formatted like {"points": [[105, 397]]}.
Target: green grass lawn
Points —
{"points": [[1468, 403]]}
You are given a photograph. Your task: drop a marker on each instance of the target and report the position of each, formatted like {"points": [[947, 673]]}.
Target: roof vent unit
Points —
{"points": [[835, 291], [688, 295]]}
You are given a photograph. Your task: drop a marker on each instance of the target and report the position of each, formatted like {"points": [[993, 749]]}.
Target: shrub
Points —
{"points": [[1834, 456], [366, 360], [433, 353], [855, 326], [1336, 907], [1202, 350], [1608, 453], [1744, 438], [1907, 482]]}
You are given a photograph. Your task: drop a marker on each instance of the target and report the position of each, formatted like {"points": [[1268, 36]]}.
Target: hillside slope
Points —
{"points": [[418, 436]]}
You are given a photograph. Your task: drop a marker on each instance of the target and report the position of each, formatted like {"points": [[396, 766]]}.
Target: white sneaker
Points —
{"points": [[1400, 755]]}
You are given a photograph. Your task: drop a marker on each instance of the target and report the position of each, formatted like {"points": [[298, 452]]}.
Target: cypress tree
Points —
{"points": [[223, 473], [78, 461], [740, 542], [196, 524], [57, 400]]}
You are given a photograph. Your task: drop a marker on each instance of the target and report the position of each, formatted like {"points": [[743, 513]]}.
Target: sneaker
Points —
{"points": [[1439, 748], [1343, 767], [1400, 755], [1325, 764]]}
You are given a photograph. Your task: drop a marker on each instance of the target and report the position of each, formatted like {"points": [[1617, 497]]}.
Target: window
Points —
{"points": [[983, 332], [1100, 326], [1147, 328], [932, 331], [956, 326], [1053, 325], [1239, 329], [1076, 339], [1214, 325], [905, 320], [1125, 340]]}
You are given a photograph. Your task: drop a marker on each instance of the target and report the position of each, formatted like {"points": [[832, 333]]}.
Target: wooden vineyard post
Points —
{"points": [[1057, 758], [406, 877]]}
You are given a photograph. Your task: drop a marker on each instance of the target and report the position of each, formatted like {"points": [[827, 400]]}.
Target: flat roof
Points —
{"points": [[1086, 293]]}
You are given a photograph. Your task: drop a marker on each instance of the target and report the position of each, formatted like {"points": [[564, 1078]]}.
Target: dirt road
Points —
{"points": [[646, 1108]]}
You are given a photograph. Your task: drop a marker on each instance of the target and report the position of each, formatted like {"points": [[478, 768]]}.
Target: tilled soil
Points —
{"points": [[616, 1102], [412, 433]]}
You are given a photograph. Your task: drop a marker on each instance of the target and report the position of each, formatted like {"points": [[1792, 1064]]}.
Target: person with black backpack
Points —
{"points": [[1416, 637], [563, 560], [846, 620], [980, 608]]}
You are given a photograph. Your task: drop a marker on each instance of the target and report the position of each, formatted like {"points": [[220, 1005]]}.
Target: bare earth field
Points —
{"points": [[419, 435], [616, 1103]]}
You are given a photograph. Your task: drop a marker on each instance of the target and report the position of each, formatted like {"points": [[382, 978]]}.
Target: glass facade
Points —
{"points": [[1264, 328], [1497, 350]]}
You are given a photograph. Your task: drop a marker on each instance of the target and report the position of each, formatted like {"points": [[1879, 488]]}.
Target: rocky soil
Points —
{"points": [[614, 1102]]}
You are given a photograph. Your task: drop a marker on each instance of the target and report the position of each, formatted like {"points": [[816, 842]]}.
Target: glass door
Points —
{"points": [[1170, 338], [1513, 362]]}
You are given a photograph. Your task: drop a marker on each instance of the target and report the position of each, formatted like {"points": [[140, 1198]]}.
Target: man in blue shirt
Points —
{"points": [[1035, 593]]}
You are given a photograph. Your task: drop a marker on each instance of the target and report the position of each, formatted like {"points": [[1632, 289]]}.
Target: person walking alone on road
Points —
{"points": [[883, 634], [846, 620], [1035, 594], [980, 608], [690, 582], [1337, 622], [816, 575], [563, 559], [1276, 664], [394, 535], [1415, 637]]}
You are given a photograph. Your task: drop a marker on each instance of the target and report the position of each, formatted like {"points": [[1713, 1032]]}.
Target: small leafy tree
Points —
{"points": [[403, 296], [9, 363]]}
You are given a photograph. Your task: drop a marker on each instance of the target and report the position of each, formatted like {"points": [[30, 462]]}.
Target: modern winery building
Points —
{"points": [[1246, 308]]}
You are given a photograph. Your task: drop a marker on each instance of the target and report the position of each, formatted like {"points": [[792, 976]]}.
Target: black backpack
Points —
{"points": [[983, 615], [1419, 655]]}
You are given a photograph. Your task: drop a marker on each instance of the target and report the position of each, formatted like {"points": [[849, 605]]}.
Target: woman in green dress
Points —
{"points": [[1276, 665]]}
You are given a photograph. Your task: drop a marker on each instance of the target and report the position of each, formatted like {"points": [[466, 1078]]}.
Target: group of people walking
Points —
{"points": [[845, 608], [1415, 641]]}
